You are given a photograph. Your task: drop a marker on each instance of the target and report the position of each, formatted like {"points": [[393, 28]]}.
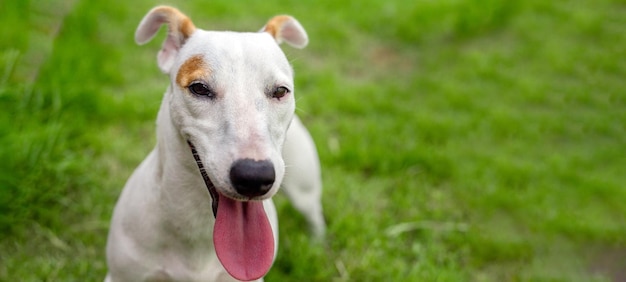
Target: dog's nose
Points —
{"points": [[252, 178]]}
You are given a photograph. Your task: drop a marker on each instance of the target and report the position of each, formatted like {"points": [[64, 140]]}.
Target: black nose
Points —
{"points": [[252, 178]]}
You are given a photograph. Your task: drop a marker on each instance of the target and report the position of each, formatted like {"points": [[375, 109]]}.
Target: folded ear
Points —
{"points": [[287, 29], [180, 28]]}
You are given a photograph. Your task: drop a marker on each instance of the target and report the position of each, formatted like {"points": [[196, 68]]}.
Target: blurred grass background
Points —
{"points": [[461, 140]]}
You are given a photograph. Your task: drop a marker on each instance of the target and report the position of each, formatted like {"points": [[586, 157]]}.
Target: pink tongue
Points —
{"points": [[243, 238]]}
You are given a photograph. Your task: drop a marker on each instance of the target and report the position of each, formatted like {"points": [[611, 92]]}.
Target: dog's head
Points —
{"points": [[232, 99]]}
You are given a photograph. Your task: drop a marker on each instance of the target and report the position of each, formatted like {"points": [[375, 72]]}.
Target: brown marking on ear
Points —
{"points": [[274, 24], [186, 27], [193, 69], [178, 22]]}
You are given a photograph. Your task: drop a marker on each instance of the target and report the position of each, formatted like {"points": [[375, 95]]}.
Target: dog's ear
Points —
{"points": [[287, 29], [180, 28]]}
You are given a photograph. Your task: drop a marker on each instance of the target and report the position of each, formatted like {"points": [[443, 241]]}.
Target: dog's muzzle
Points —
{"points": [[209, 185], [250, 178]]}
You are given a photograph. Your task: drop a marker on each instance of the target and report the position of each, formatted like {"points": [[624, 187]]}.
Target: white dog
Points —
{"points": [[199, 207]]}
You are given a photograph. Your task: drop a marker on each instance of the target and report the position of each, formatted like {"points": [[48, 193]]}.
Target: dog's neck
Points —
{"points": [[172, 149]]}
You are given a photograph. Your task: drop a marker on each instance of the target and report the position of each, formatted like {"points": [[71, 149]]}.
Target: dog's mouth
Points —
{"points": [[242, 235], [207, 181]]}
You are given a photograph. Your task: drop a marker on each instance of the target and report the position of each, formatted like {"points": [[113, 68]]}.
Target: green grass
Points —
{"points": [[461, 140]]}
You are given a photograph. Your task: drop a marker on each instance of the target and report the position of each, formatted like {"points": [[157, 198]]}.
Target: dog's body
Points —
{"points": [[221, 126]]}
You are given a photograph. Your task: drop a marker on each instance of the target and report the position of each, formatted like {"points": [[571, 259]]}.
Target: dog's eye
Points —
{"points": [[201, 89], [280, 92]]}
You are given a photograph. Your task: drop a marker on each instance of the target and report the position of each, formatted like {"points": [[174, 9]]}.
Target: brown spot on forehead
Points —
{"points": [[193, 69]]}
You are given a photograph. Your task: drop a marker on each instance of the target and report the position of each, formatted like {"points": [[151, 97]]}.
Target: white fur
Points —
{"points": [[162, 225]]}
